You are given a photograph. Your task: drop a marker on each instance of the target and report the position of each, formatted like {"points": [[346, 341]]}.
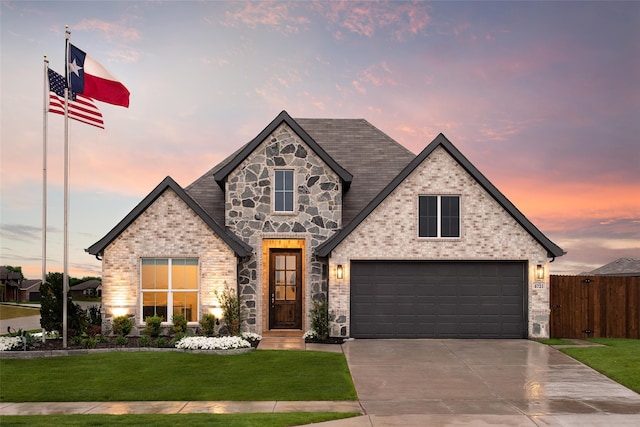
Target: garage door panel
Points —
{"points": [[438, 299]]}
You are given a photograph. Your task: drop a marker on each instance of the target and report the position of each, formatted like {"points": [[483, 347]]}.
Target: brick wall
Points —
{"points": [[167, 229], [488, 232]]}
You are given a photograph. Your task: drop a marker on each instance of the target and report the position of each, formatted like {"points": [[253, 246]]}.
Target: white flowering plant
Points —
{"points": [[212, 343], [10, 343], [48, 335], [252, 337], [310, 336]]}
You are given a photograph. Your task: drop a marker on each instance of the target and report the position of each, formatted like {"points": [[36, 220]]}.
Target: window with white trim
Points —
{"points": [[169, 286], [283, 191], [439, 216]]}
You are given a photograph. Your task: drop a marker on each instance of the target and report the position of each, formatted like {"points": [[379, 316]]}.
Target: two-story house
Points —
{"points": [[400, 245]]}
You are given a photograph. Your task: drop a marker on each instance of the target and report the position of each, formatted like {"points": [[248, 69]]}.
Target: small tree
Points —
{"points": [[232, 312], [320, 318], [51, 308]]}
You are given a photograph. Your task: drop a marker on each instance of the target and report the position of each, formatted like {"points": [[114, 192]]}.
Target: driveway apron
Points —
{"points": [[480, 377]]}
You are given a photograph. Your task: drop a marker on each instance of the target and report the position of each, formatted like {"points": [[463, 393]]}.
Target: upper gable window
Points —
{"points": [[283, 191], [439, 216]]}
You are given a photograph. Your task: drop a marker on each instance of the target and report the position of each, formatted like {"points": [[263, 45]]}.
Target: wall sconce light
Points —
{"points": [[217, 312], [119, 311], [539, 272], [339, 272]]}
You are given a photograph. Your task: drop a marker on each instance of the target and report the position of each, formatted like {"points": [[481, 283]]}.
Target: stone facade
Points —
{"points": [[168, 228], [488, 232], [249, 212]]}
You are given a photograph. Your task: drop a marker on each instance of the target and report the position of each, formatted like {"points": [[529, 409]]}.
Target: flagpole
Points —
{"points": [[44, 175], [65, 275]]}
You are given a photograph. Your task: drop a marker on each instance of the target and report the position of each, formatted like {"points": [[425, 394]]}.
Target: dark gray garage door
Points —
{"points": [[438, 299]]}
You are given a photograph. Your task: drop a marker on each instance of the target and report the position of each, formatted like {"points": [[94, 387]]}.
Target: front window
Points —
{"points": [[439, 216], [283, 192], [169, 286]]}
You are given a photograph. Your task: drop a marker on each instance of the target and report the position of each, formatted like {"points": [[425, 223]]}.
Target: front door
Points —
{"points": [[285, 290]]}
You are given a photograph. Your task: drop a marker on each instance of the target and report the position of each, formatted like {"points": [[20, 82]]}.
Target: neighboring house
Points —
{"points": [[14, 287], [401, 245], [29, 290], [88, 289], [10, 283], [619, 267]]}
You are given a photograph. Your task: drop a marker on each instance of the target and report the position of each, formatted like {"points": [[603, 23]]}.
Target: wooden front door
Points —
{"points": [[285, 289]]}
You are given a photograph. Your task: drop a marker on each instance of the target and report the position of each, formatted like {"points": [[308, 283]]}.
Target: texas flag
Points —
{"points": [[88, 77]]}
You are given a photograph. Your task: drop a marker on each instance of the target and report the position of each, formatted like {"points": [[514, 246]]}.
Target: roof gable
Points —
{"points": [[239, 247], [221, 174], [441, 141]]}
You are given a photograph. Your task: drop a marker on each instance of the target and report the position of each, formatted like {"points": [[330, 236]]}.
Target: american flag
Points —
{"points": [[81, 108]]}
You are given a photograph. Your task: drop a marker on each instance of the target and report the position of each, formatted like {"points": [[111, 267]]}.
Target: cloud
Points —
{"points": [[20, 232], [276, 16], [113, 31], [399, 20]]}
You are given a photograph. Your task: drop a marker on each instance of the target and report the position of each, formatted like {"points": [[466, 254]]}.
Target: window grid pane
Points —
{"points": [[283, 192], [164, 295], [428, 216], [450, 213]]}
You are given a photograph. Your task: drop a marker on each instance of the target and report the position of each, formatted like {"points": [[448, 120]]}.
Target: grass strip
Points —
{"points": [[192, 420], [619, 360], [14, 311], [147, 376]]}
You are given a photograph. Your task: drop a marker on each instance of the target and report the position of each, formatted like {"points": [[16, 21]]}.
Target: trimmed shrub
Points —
{"points": [[153, 328], [208, 324], [122, 325], [179, 324]]}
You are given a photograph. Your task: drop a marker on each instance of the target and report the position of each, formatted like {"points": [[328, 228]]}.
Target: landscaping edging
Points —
{"points": [[35, 354]]}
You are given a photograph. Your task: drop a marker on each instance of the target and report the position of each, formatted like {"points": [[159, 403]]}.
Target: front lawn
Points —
{"points": [[619, 360], [192, 420], [12, 311], [140, 376]]}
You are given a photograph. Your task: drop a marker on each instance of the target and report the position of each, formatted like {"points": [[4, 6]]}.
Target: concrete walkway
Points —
{"points": [[172, 407]]}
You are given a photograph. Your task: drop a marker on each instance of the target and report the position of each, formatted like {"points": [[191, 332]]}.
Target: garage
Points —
{"points": [[438, 299]]}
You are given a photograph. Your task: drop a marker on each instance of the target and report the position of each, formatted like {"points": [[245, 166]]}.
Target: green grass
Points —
{"points": [[13, 311], [140, 376], [619, 360], [193, 420], [556, 341]]}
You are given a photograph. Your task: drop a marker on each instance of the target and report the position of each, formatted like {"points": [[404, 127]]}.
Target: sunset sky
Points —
{"points": [[542, 97]]}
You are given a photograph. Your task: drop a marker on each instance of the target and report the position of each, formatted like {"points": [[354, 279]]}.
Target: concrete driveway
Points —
{"points": [[481, 382]]}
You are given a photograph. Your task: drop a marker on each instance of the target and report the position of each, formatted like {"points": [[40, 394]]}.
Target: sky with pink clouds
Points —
{"points": [[542, 97]]}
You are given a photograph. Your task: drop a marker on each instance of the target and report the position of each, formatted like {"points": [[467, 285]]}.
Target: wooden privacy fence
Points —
{"points": [[595, 307]]}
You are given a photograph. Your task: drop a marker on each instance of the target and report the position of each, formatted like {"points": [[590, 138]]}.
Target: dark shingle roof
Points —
{"points": [[364, 150], [30, 285], [619, 267], [89, 284], [239, 247], [441, 141]]}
